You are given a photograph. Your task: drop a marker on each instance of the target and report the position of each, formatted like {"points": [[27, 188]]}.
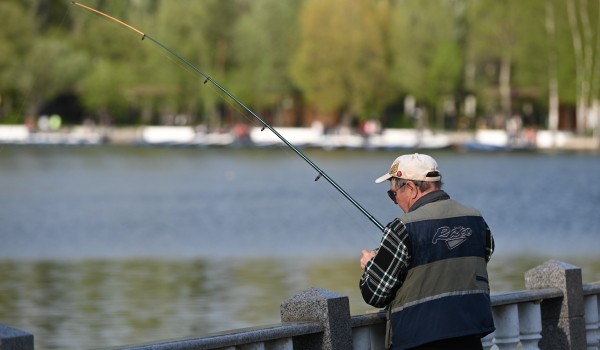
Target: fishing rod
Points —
{"points": [[207, 78]]}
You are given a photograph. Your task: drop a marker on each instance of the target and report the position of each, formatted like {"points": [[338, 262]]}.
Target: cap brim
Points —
{"points": [[383, 178]]}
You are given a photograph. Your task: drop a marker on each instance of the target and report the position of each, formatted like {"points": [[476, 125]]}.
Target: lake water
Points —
{"points": [[107, 246]]}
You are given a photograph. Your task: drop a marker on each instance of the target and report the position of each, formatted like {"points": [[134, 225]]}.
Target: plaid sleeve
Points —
{"points": [[385, 273], [489, 243]]}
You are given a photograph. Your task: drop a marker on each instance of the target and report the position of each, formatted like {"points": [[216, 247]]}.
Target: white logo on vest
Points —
{"points": [[452, 236]]}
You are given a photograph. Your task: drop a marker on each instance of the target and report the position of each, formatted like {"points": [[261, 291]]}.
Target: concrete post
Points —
{"points": [[329, 309], [563, 324], [15, 339]]}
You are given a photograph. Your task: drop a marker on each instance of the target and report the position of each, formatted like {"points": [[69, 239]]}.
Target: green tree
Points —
{"points": [[493, 36], [531, 65], [104, 90], [177, 26], [543, 61], [425, 43], [50, 68], [340, 65], [508, 50], [201, 32], [16, 36], [264, 42], [107, 87], [342, 59], [584, 23]]}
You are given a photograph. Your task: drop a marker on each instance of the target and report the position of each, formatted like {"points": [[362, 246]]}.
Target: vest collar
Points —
{"points": [[430, 197]]}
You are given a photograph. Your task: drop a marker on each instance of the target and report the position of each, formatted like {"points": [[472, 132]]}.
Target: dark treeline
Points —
{"points": [[446, 63]]}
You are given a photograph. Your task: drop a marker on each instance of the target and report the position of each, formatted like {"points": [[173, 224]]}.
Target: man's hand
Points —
{"points": [[366, 256]]}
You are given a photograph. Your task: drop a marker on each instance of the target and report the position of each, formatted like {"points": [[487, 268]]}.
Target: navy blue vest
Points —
{"points": [[446, 291]]}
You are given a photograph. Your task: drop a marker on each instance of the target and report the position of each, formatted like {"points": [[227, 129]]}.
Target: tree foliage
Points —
{"points": [[265, 38], [340, 64], [350, 60], [426, 48]]}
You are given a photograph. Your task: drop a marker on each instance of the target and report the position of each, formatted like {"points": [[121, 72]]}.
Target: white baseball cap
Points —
{"points": [[418, 167]]}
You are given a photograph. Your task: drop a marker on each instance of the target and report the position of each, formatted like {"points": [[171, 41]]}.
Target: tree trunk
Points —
{"points": [[505, 89], [583, 49], [553, 97]]}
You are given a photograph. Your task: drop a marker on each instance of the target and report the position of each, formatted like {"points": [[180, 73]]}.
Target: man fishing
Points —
{"points": [[430, 270]]}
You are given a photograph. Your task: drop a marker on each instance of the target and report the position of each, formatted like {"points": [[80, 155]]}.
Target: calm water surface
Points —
{"points": [[107, 246]]}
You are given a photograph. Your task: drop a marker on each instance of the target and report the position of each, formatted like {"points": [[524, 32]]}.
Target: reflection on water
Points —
{"points": [[97, 303], [108, 246]]}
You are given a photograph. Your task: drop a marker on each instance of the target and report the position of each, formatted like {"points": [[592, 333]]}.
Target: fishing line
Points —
{"points": [[264, 124]]}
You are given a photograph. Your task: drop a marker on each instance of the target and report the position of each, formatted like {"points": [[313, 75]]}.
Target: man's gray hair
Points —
{"points": [[422, 185]]}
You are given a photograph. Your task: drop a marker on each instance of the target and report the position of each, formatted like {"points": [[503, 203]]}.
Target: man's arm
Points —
{"points": [[386, 271]]}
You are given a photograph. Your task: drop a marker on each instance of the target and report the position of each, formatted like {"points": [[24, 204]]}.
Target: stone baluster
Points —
{"points": [[592, 324], [488, 341], [530, 324], [506, 318]]}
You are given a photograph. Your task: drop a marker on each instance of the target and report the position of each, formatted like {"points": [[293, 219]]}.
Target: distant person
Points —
{"points": [[55, 122], [430, 271]]}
